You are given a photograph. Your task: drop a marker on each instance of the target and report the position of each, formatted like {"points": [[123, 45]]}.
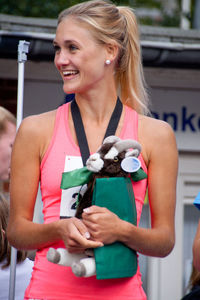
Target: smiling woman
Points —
{"points": [[97, 53], [76, 55]]}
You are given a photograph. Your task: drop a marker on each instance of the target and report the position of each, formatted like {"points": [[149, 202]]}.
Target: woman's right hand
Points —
{"points": [[75, 235]]}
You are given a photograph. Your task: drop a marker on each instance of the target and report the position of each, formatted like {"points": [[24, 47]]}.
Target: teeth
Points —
{"points": [[70, 72]]}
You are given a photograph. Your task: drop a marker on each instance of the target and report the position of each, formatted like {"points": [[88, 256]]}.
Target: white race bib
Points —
{"points": [[69, 196]]}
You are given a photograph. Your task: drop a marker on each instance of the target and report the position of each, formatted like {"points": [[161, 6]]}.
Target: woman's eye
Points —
{"points": [[56, 48], [72, 47], [116, 159]]}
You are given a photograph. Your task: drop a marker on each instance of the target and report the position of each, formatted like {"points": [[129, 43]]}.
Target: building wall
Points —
{"points": [[42, 85]]}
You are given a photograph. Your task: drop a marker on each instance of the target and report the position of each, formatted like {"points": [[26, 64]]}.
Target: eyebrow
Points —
{"points": [[66, 42]]}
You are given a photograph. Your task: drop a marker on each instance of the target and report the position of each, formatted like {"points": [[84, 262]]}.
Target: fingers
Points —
{"points": [[94, 209], [85, 243], [85, 249], [78, 237], [81, 228], [102, 224]]}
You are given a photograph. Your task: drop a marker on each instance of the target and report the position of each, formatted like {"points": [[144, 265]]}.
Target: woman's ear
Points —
{"points": [[112, 51]]}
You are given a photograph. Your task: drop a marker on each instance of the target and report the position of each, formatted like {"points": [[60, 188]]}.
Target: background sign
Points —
{"points": [[181, 109]]}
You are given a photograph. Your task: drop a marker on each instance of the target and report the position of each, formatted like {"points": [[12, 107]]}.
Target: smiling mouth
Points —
{"points": [[70, 73]]}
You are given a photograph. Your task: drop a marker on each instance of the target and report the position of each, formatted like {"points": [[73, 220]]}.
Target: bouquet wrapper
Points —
{"points": [[115, 260]]}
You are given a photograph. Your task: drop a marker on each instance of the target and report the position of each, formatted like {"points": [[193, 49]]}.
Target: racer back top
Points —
{"points": [[55, 282]]}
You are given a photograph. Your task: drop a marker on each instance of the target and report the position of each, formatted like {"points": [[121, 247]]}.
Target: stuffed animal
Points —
{"points": [[115, 158]]}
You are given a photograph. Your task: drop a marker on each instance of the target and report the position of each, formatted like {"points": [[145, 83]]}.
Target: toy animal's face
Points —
{"points": [[106, 165], [113, 166], [107, 161]]}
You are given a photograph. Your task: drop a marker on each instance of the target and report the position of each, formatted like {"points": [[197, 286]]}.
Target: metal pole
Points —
{"points": [[23, 47], [22, 57]]}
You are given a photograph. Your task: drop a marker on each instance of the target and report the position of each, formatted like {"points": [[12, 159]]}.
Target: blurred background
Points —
{"points": [[172, 13], [170, 43]]}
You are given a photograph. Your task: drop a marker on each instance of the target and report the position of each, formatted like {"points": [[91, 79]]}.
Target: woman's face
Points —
{"points": [[78, 58]]}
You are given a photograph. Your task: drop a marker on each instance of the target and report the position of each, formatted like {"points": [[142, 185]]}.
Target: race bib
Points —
{"points": [[69, 196]]}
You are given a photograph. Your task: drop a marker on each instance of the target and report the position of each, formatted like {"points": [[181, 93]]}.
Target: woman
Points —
{"points": [[24, 265], [97, 53]]}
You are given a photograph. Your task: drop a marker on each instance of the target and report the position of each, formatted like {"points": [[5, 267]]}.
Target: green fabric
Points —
{"points": [[83, 175], [75, 178], [139, 175], [116, 260]]}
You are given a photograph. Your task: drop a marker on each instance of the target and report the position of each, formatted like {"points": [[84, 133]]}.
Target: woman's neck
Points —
{"points": [[96, 111], [96, 107]]}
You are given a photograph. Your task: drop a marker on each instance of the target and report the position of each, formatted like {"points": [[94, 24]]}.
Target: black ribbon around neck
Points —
{"points": [[80, 131]]}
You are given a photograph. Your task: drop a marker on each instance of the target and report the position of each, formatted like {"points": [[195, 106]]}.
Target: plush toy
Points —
{"points": [[116, 158]]}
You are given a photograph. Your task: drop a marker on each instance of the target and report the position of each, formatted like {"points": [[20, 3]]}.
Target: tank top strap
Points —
{"points": [[130, 129]]}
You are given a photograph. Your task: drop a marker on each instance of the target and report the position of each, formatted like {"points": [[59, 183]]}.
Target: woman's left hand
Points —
{"points": [[103, 225]]}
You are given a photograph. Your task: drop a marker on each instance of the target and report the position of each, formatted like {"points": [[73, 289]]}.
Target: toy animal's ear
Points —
{"points": [[127, 144], [134, 153], [111, 139], [130, 164], [122, 145]]}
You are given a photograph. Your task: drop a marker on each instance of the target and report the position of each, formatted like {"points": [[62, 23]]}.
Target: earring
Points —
{"points": [[108, 61]]}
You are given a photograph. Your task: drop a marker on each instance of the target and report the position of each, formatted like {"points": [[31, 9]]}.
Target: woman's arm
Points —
{"points": [[160, 153], [196, 249], [30, 145]]}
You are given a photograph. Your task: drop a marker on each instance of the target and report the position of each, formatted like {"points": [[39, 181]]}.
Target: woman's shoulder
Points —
{"points": [[35, 132], [155, 136], [37, 125], [155, 128], [34, 121]]}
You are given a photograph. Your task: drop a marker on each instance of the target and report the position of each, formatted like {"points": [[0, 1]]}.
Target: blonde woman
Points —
{"points": [[97, 53]]}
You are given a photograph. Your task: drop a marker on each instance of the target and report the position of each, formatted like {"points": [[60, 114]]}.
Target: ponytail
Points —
{"points": [[130, 74]]}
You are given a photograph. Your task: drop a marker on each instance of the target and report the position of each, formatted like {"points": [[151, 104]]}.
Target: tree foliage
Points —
{"points": [[51, 9], [35, 8]]}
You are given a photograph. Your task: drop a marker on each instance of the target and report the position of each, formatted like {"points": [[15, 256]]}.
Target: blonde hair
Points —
{"points": [[5, 248], [110, 23], [5, 116]]}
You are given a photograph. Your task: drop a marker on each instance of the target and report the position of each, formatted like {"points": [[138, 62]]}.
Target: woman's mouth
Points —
{"points": [[69, 73]]}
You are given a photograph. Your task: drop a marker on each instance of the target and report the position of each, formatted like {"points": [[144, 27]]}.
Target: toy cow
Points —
{"points": [[115, 158]]}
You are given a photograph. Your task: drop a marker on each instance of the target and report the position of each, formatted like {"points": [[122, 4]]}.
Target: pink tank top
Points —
{"points": [[54, 282]]}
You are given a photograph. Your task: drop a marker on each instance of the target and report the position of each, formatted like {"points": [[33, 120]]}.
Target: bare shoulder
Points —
{"points": [[156, 128], [37, 131], [38, 123], [155, 136]]}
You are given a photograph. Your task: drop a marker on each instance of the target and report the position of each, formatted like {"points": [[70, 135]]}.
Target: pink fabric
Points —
{"points": [[54, 282]]}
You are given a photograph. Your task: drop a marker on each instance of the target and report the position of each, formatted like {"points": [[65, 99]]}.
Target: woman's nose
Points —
{"points": [[61, 58]]}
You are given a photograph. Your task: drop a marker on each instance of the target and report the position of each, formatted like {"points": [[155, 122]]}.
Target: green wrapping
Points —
{"points": [[75, 178], [115, 260]]}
